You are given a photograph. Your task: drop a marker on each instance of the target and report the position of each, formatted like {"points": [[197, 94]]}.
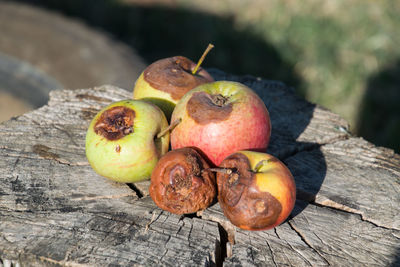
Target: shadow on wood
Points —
{"points": [[397, 259]]}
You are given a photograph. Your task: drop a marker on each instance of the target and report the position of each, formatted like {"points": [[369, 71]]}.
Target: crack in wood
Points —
{"points": [[272, 253], [132, 186], [304, 239], [58, 160], [293, 248], [153, 219], [226, 234], [222, 252], [324, 202], [62, 262], [89, 198]]}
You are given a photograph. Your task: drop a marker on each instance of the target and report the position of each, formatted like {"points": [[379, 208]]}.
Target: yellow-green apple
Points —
{"points": [[258, 193], [122, 143], [165, 81], [221, 118]]}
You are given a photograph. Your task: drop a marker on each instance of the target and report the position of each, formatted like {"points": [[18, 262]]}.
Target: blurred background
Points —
{"points": [[343, 55]]}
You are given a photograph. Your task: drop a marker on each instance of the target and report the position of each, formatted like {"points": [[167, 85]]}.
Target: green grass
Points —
{"points": [[337, 48]]}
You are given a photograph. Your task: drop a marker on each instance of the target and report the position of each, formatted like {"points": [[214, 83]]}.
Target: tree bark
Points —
{"points": [[55, 210]]}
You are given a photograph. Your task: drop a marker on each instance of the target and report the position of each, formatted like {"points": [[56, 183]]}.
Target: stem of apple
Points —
{"points": [[169, 128], [260, 164], [209, 47], [220, 170]]}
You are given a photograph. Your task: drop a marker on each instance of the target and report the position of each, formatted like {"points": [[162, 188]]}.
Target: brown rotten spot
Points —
{"points": [[174, 76], [205, 108], [179, 184], [115, 123]]}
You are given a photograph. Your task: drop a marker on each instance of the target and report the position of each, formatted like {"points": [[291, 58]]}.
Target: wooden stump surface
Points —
{"points": [[55, 210]]}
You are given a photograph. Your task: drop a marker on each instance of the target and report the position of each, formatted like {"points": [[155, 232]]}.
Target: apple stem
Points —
{"points": [[209, 47], [260, 164], [221, 170], [169, 128]]}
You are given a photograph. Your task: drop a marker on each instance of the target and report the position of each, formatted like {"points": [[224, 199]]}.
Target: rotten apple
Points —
{"points": [[179, 183], [165, 81], [221, 118], [122, 142], [258, 192]]}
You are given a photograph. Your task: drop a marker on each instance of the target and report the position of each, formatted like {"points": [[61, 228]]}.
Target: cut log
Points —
{"points": [[55, 210]]}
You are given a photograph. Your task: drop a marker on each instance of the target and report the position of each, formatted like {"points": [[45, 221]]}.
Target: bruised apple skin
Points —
{"points": [[221, 118], [180, 184], [122, 143], [259, 194], [165, 81]]}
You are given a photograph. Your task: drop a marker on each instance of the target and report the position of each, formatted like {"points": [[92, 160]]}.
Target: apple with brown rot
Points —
{"points": [[125, 140], [256, 191], [221, 118], [180, 184], [165, 81]]}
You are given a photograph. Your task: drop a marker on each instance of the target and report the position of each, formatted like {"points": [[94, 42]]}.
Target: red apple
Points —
{"points": [[221, 118], [258, 193]]}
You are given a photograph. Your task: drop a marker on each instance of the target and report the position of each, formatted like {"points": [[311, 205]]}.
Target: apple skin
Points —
{"points": [[271, 186], [246, 126], [165, 81], [133, 157]]}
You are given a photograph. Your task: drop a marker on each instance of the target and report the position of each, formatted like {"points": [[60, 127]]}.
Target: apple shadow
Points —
{"points": [[307, 164], [396, 261], [159, 31]]}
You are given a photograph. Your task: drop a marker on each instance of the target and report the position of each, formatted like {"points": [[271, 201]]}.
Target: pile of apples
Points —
{"points": [[218, 134]]}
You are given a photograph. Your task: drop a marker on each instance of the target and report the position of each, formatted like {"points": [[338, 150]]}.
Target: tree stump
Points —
{"points": [[55, 210]]}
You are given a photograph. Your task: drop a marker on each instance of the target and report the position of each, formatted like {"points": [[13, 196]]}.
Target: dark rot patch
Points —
{"points": [[205, 108], [115, 123], [240, 199], [174, 76], [179, 184]]}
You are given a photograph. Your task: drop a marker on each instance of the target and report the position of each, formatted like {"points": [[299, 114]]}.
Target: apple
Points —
{"points": [[165, 81], [122, 142], [179, 183], [258, 193], [221, 118]]}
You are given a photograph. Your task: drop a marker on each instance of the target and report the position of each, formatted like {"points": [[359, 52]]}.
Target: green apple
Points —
{"points": [[165, 81], [122, 142]]}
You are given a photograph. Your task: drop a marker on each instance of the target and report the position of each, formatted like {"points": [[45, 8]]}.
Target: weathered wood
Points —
{"points": [[55, 210]]}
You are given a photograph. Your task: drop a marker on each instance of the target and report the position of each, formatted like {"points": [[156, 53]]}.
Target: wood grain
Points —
{"points": [[55, 210]]}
